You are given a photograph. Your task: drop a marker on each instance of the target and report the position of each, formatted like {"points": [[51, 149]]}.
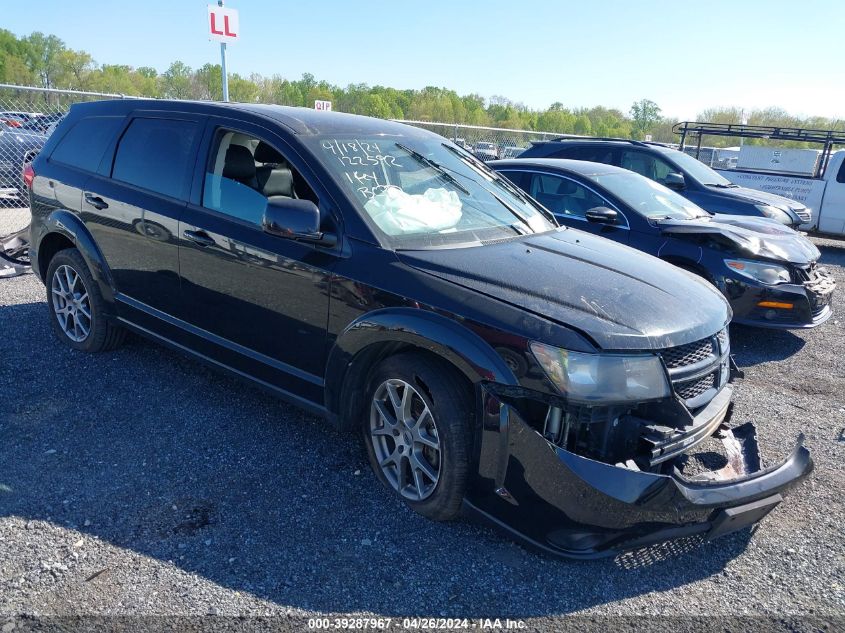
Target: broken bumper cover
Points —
{"points": [[577, 507], [810, 302]]}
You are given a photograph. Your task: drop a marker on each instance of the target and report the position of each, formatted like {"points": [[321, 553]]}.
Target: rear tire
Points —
{"points": [[418, 432], [77, 308]]}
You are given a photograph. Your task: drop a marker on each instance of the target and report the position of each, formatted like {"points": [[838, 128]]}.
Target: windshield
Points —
{"points": [[698, 170], [649, 198], [421, 192]]}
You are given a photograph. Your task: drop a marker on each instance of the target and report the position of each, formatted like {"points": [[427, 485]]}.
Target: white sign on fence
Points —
{"points": [[223, 25], [325, 106]]}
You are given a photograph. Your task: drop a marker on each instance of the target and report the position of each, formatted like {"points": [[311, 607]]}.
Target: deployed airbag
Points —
{"points": [[398, 213]]}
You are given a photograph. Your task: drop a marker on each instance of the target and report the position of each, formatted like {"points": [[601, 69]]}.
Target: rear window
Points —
{"points": [[155, 154], [86, 142]]}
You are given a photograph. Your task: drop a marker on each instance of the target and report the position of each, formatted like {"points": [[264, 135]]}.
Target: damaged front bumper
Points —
{"points": [[573, 506], [790, 306]]}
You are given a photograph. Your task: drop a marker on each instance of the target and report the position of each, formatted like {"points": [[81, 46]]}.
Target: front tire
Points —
{"points": [[77, 308], [418, 432]]}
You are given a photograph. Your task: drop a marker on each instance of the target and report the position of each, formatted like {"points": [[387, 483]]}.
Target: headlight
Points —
{"points": [[602, 378], [760, 271], [774, 213]]}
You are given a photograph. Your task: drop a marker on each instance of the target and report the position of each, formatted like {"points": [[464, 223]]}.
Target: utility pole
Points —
{"points": [[223, 64]]}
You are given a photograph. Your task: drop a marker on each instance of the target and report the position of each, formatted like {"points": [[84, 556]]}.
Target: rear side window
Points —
{"points": [[840, 177], [86, 142], [596, 154], [155, 154]]}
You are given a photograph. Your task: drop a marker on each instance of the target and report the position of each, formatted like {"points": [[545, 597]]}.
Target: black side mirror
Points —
{"points": [[601, 215], [675, 181], [295, 220]]}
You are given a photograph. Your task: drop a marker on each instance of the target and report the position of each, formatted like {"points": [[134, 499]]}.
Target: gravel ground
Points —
{"points": [[139, 482]]}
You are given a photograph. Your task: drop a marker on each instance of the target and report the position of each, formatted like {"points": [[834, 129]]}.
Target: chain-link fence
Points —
{"points": [[487, 143], [27, 117]]}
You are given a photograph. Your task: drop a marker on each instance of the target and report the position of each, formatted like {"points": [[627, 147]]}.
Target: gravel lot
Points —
{"points": [[139, 482]]}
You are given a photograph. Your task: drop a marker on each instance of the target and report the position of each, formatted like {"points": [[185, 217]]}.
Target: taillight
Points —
{"points": [[13, 123], [28, 175]]}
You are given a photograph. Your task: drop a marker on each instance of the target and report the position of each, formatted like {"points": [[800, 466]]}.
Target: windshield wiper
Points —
{"points": [[500, 180], [490, 173], [721, 185], [523, 220], [424, 160]]}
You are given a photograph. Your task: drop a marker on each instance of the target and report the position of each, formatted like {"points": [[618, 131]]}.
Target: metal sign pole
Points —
{"points": [[223, 64]]}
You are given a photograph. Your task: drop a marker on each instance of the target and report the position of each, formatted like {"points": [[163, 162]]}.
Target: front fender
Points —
{"points": [[67, 224], [447, 338]]}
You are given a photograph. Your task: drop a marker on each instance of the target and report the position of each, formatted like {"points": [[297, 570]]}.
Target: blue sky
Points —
{"points": [[686, 56]]}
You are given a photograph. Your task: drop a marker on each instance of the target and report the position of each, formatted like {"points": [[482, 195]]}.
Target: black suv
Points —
{"points": [[676, 170], [548, 380]]}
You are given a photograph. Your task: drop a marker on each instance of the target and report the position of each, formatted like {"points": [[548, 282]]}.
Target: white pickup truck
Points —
{"points": [[814, 178], [824, 195]]}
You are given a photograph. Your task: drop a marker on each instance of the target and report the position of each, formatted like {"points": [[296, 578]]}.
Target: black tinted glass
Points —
{"points": [[156, 154], [86, 142], [516, 177], [596, 154]]}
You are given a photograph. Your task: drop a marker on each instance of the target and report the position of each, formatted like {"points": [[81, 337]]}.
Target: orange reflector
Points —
{"points": [[737, 265], [776, 304]]}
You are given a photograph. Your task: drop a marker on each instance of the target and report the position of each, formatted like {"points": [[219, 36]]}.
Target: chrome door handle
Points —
{"points": [[201, 238]]}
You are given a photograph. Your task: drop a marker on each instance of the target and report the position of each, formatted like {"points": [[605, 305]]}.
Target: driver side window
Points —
{"points": [[244, 172], [562, 196]]}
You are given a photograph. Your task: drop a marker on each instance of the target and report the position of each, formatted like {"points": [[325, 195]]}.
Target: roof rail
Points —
{"points": [[568, 137]]}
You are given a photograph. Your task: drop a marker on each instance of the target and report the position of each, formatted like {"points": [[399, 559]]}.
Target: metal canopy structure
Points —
{"points": [[698, 130]]}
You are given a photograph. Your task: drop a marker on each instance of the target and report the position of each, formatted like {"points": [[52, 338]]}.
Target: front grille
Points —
{"points": [[805, 214], [803, 274], [688, 364], [694, 388], [688, 354]]}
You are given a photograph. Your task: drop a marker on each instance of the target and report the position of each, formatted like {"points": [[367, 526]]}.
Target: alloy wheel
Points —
{"points": [[405, 439], [71, 303]]}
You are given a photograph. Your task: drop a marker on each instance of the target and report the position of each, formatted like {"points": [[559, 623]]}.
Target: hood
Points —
{"points": [[750, 236], [618, 296], [761, 197]]}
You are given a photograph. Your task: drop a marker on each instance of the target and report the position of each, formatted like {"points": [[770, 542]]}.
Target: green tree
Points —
{"points": [[646, 114], [42, 55], [74, 69], [208, 82], [582, 125], [177, 81]]}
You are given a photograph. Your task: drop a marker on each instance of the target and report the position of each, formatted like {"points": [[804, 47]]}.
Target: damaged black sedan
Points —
{"points": [[544, 379], [768, 272]]}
